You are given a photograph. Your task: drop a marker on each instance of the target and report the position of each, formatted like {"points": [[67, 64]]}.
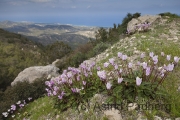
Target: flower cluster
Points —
{"points": [[73, 80], [119, 74], [14, 107]]}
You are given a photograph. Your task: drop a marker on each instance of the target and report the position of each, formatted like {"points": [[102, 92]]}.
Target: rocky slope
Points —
{"points": [[163, 36]]}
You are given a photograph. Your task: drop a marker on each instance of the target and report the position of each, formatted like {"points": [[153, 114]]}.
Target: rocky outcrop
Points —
{"points": [[32, 73], [141, 23]]}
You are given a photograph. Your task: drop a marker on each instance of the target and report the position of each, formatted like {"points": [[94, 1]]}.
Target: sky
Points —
{"points": [[102, 13]]}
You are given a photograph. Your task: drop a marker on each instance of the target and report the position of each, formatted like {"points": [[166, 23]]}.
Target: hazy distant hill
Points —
{"points": [[49, 33]]}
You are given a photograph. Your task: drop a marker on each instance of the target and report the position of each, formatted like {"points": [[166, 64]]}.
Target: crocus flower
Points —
{"points": [[102, 74], [61, 95], [129, 65], [124, 57], [170, 67], [176, 59], [155, 59], [21, 105], [115, 66], [142, 55], [84, 82], [120, 80], [138, 81], [106, 64], [120, 54], [111, 61], [144, 65], [148, 71], [78, 77], [151, 54], [69, 74], [98, 68], [13, 107], [54, 93], [108, 85], [120, 71], [168, 57]]}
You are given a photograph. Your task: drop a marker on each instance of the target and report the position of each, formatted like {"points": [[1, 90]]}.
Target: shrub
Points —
{"points": [[100, 48], [22, 91]]}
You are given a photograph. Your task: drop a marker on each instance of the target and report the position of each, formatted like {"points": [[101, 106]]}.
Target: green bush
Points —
{"points": [[21, 91], [100, 48], [169, 14]]}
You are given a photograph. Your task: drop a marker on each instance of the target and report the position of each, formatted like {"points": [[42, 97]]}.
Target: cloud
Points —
{"points": [[73, 7], [41, 1], [88, 6]]}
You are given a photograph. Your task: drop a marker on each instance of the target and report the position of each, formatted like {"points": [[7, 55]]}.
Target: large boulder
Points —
{"points": [[32, 73], [142, 23]]}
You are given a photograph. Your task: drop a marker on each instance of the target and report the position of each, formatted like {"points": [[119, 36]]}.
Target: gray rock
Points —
{"points": [[32, 73], [136, 23]]}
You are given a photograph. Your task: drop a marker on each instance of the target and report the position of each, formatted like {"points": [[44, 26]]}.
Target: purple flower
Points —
{"points": [[144, 65], [108, 85], [142, 55], [86, 74], [151, 54], [48, 83], [73, 90], [78, 77], [170, 67], [130, 65], [13, 107], [176, 59], [84, 82], [120, 80], [56, 88], [106, 64], [155, 59], [102, 74], [111, 61], [138, 81], [138, 63], [21, 105], [120, 54], [61, 95], [69, 75], [124, 57], [70, 81], [98, 68], [168, 57], [54, 93], [115, 66], [120, 71], [148, 71]]}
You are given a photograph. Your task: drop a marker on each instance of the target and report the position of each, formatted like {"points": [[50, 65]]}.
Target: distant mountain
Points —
{"points": [[49, 33]]}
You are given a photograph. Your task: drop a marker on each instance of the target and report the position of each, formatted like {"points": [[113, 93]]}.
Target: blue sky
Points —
{"points": [[82, 12]]}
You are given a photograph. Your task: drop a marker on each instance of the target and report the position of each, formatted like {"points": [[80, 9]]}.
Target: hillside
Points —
{"points": [[49, 33], [17, 53], [163, 39]]}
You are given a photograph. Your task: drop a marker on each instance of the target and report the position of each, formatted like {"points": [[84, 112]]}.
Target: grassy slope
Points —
{"points": [[151, 41]]}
